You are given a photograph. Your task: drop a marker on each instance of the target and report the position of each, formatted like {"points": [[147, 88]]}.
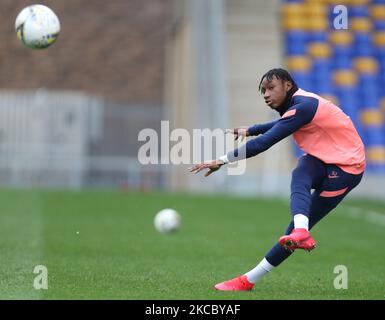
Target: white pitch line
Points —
{"points": [[371, 216]]}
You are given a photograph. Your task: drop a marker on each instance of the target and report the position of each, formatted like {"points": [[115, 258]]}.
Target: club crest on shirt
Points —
{"points": [[333, 175]]}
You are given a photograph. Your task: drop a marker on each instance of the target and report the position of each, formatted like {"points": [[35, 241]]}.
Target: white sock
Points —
{"points": [[259, 271], [301, 221]]}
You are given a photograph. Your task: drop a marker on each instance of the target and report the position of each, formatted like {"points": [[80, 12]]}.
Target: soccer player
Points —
{"points": [[333, 163]]}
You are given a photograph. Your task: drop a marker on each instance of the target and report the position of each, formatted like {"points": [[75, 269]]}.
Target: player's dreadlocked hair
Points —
{"points": [[279, 74]]}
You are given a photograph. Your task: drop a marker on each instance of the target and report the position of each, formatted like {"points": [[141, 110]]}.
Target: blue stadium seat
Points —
{"points": [[295, 42], [321, 75], [381, 82], [348, 102], [369, 90], [378, 1], [318, 36], [303, 79], [342, 57], [363, 45], [322, 69], [380, 54], [363, 38], [359, 11], [374, 135], [379, 25]]}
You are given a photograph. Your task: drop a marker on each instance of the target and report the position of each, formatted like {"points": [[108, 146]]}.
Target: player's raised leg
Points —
{"points": [[331, 185], [308, 174], [323, 200]]}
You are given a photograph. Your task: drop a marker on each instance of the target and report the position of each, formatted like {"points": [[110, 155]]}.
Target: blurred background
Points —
{"points": [[70, 115]]}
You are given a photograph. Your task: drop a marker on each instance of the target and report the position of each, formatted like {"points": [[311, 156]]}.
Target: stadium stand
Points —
{"points": [[344, 65]]}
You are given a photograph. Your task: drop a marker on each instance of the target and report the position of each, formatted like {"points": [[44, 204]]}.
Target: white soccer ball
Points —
{"points": [[37, 26], [167, 220]]}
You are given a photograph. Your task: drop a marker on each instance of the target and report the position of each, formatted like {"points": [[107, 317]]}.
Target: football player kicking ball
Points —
{"points": [[333, 164]]}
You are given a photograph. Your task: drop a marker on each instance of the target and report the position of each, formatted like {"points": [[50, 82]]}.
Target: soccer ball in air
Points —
{"points": [[167, 220], [37, 26]]}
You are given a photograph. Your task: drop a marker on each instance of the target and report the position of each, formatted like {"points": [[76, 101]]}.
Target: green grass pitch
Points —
{"points": [[102, 245]]}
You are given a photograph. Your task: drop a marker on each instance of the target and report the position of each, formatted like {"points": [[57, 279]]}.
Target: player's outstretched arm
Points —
{"points": [[212, 166], [258, 129]]}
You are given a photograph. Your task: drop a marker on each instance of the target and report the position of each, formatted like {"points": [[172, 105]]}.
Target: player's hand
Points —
{"points": [[239, 132], [212, 165]]}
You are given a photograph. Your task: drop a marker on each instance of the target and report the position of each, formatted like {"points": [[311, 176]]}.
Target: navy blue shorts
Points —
{"points": [[329, 182]]}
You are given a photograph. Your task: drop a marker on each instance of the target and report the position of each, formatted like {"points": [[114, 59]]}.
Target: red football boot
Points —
{"points": [[298, 239], [237, 284]]}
